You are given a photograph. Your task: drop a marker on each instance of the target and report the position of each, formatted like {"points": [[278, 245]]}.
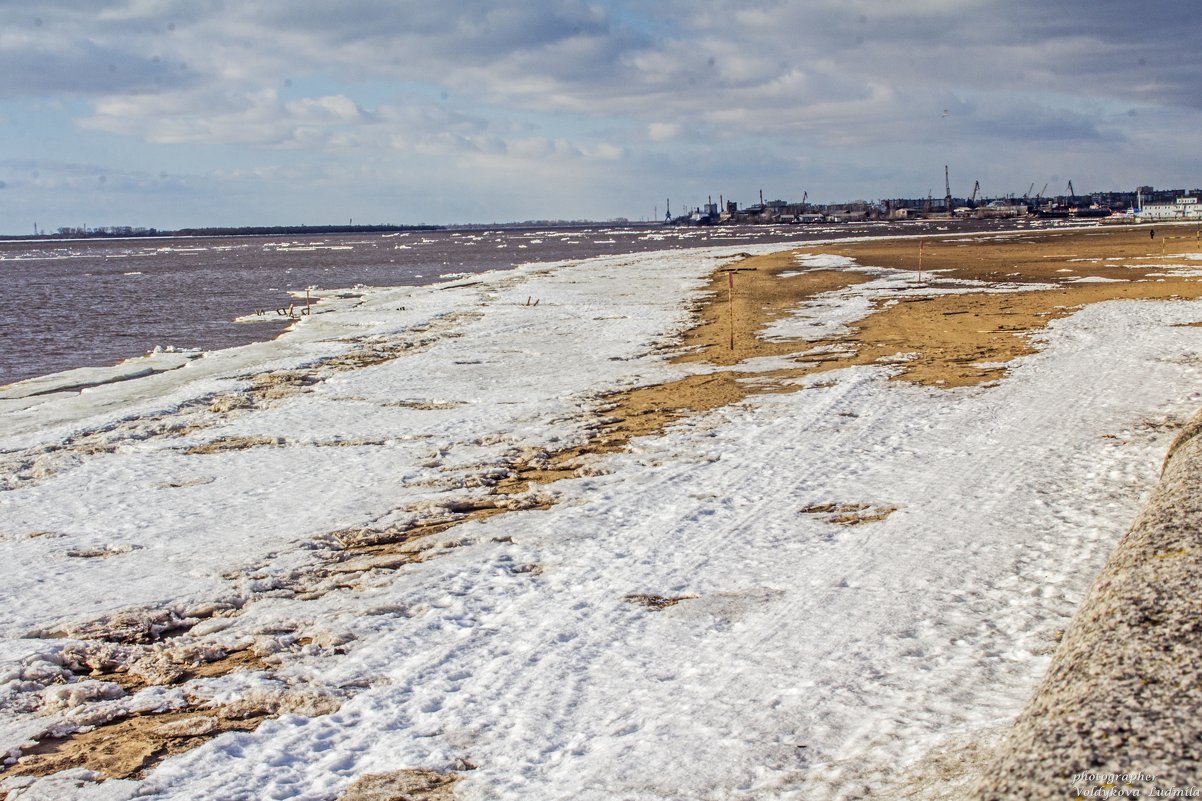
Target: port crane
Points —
{"points": [[1039, 195], [947, 187]]}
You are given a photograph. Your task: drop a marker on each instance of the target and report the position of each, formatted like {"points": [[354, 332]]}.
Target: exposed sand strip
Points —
{"points": [[941, 337]]}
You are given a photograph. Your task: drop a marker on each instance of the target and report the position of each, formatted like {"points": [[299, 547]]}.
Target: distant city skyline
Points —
{"points": [[171, 114]]}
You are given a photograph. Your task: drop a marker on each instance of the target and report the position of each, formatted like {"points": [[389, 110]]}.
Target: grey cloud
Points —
{"points": [[253, 118], [44, 174], [1088, 48], [1146, 51], [433, 42], [1028, 121], [83, 66], [573, 55], [471, 47], [1150, 23], [468, 25], [826, 73]]}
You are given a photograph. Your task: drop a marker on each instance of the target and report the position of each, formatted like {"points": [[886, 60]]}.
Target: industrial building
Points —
{"points": [[1182, 209], [1144, 203]]}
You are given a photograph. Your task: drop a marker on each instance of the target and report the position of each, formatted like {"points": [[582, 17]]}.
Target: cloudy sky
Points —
{"points": [[170, 113]]}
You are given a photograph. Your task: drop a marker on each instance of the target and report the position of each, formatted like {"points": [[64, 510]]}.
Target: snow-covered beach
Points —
{"points": [[287, 566]]}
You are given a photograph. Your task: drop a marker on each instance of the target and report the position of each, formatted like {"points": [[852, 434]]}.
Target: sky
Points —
{"points": [[177, 113]]}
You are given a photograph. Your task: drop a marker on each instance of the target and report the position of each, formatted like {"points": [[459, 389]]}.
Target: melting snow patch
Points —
{"points": [[825, 261]]}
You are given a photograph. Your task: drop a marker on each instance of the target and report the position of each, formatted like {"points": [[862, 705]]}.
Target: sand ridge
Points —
{"points": [[1023, 282]]}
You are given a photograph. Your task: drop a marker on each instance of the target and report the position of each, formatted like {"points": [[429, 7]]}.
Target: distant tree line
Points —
{"points": [[275, 230], [114, 231]]}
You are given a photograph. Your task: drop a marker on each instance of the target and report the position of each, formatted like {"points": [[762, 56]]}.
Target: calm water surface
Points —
{"points": [[94, 302]]}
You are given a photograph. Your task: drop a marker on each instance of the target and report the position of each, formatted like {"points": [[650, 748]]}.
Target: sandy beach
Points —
{"points": [[720, 524]]}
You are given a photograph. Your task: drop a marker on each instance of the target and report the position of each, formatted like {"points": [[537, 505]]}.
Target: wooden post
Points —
{"points": [[730, 297], [306, 301], [922, 243]]}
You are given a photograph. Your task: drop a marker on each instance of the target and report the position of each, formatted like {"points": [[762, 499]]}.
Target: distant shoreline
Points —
{"points": [[128, 232], [125, 232]]}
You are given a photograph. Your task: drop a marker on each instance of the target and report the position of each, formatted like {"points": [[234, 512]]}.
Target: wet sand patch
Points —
{"points": [[947, 335], [129, 747], [126, 747], [656, 603], [414, 784], [850, 514]]}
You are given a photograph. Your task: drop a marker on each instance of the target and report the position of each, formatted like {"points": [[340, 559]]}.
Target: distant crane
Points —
{"points": [[972, 201], [804, 195], [1030, 189], [947, 186], [1071, 193]]}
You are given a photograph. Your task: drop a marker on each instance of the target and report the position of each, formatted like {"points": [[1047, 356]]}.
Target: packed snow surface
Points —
{"points": [[803, 658]]}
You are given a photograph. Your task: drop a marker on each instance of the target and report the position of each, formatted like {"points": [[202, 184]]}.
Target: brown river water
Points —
{"points": [[95, 302]]}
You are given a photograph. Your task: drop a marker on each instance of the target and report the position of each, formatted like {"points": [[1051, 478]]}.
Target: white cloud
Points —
{"points": [[663, 131]]}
